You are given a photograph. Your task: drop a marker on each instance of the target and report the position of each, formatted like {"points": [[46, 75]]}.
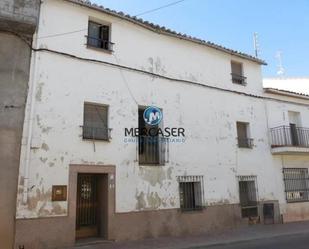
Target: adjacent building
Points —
{"points": [[137, 131], [18, 21]]}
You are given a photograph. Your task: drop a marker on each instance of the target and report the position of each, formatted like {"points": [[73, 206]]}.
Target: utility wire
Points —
{"points": [[139, 14], [128, 68], [159, 8], [125, 80], [60, 34]]}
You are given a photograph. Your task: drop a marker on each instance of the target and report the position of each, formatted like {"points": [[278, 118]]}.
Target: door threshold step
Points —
{"points": [[91, 241]]}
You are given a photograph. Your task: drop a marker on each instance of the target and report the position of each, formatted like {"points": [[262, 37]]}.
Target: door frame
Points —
{"points": [[108, 170]]}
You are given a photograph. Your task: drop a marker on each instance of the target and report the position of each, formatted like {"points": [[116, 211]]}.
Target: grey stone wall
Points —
{"points": [[17, 18], [19, 15], [14, 74]]}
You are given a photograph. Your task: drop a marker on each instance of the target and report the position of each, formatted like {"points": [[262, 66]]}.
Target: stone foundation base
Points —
{"points": [[60, 231]]}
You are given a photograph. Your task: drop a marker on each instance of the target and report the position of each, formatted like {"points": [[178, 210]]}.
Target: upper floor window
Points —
{"points": [[237, 73], [99, 36], [95, 122], [243, 136]]}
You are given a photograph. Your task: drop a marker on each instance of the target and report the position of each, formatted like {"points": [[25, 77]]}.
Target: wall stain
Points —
{"points": [[44, 129], [38, 95], [140, 201], [43, 159], [44, 147], [51, 164], [40, 196], [155, 175]]}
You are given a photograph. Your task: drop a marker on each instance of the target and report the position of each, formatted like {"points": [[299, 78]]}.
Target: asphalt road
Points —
{"points": [[298, 241]]}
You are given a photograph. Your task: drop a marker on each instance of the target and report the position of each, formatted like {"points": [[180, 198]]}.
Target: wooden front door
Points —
{"points": [[87, 220]]}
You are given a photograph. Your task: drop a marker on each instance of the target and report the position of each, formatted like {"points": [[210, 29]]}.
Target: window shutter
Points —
{"points": [[95, 121], [236, 68]]}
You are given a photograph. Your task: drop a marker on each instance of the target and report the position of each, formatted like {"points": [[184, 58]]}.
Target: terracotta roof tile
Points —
{"points": [[164, 30]]}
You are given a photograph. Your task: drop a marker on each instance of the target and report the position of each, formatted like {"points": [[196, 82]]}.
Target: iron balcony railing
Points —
{"points": [[239, 79], [153, 150], [99, 43], [245, 142], [289, 136]]}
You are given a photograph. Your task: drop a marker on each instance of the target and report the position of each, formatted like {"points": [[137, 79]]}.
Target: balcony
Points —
{"points": [[239, 79], [152, 150], [244, 142], [289, 140], [95, 42]]}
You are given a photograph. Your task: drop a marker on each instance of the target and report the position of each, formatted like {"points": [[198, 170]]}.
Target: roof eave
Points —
{"points": [[164, 31], [286, 93]]}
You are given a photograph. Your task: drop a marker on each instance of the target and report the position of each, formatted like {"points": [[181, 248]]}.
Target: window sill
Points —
{"points": [[108, 51], [151, 164], [188, 211], [240, 84], [245, 147], [300, 201], [96, 139]]}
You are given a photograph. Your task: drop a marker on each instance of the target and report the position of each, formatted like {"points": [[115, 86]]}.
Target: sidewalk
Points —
{"points": [[242, 234]]}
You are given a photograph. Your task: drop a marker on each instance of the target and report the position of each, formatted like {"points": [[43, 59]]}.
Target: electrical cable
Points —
{"points": [[142, 13]]}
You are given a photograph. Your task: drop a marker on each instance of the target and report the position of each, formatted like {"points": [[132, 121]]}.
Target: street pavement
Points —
{"points": [[298, 241], [279, 236]]}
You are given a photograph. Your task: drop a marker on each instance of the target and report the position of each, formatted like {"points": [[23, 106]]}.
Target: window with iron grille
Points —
{"points": [[191, 190], [99, 36], [237, 73], [248, 196], [296, 181], [244, 141], [95, 122]]}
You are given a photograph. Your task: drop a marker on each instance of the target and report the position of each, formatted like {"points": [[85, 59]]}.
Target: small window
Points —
{"points": [[191, 192], [243, 138], [237, 73], [99, 36], [296, 181], [95, 122]]}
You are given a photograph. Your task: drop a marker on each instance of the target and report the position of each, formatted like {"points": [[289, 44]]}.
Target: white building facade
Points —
{"points": [[93, 74]]}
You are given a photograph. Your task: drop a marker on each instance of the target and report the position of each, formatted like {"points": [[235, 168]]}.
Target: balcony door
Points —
{"points": [[294, 134]]}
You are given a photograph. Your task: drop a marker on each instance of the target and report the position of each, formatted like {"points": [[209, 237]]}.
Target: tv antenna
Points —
{"points": [[256, 44], [281, 70]]}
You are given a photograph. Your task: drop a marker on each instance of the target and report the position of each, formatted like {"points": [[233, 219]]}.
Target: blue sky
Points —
{"points": [[282, 25]]}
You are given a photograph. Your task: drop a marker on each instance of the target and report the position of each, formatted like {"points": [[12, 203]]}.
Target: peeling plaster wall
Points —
{"points": [[209, 116]]}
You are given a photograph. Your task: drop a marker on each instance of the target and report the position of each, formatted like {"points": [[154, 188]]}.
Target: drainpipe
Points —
{"points": [[30, 107]]}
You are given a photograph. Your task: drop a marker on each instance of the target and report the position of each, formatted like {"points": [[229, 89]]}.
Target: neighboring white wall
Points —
{"points": [[209, 116], [281, 113], [298, 85]]}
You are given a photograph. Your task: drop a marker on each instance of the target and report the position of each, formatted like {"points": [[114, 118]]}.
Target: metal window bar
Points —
{"points": [[289, 136], [99, 43], [152, 150], [191, 192], [245, 142], [96, 133], [248, 195], [239, 79], [296, 182]]}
